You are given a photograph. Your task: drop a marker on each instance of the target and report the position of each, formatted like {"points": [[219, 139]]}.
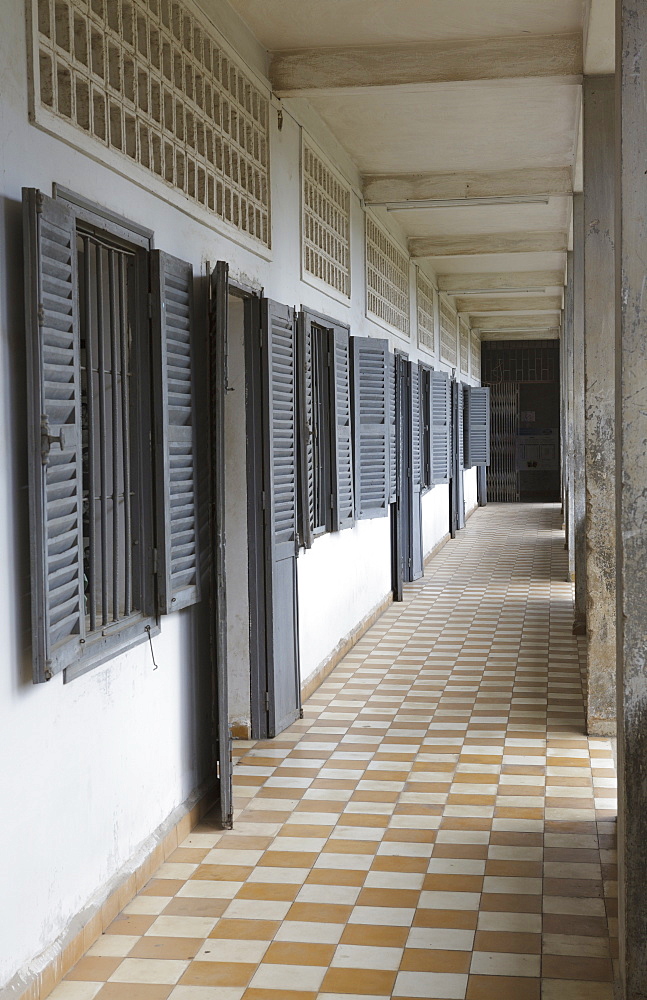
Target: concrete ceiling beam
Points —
{"points": [[532, 182], [298, 72], [516, 322], [539, 303], [466, 246], [492, 283]]}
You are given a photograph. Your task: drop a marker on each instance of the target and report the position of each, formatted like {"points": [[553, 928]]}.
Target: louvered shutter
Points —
{"points": [[370, 405], [306, 511], [477, 426], [440, 428], [416, 428], [425, 426], [415, 465], [280, 467], [460, 430], [55, 439], [393, 430], [176, 475], [343, 501]]}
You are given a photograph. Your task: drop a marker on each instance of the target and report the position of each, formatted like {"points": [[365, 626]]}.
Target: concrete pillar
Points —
{"points": [[567, 419], [578, 444], [599, 369], [631, 396]]}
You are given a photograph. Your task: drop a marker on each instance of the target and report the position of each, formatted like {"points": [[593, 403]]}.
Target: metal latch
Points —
{"points": [[64, 439]]}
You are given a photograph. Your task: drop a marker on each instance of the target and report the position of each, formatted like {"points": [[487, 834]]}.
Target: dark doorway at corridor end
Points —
{"points": [[524, 382]]}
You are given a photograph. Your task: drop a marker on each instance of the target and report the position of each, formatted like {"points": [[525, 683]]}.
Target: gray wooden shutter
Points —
{"points": [[55, 439], [425, 426], [280, 460], [176, 475], [305, 409], [371, 431], [415, 464], [440, 428], [343, 497], [393, 442], [477, 426], [460, 430], [218, 344]]}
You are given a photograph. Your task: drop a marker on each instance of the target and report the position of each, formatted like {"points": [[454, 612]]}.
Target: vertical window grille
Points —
{"points": [[326, 224], [106, 296], [387, 279], [148, 80], [475, 356], [425, 304], [448, 320], [465, 345]]}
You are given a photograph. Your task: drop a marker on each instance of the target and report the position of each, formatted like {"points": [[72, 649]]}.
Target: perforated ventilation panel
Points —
{"points": [[448, 320], [464, 341], [147, 79], [387, 279], [326, 223], [425, 303], [475, 355]]}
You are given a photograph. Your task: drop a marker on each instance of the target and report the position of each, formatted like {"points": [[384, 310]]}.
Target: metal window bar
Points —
{"points": [[105, 337]]}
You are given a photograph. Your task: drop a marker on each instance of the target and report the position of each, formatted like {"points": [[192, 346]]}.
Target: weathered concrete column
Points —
{"points": [[631, 394], [599, 369], [567, 419], [578, 447]]}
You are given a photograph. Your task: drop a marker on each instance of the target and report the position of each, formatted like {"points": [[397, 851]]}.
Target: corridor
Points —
{"points": [[437, 826]]}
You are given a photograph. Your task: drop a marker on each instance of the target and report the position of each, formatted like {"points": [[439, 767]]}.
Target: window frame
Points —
{"points": [[326, 328], [114, 639]]}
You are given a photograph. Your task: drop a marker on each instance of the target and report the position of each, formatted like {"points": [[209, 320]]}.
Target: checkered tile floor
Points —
{"points": [[437, 826]]}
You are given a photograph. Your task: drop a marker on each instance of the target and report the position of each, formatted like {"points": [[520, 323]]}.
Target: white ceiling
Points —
{"points": [[512, 125], [294, 24]]}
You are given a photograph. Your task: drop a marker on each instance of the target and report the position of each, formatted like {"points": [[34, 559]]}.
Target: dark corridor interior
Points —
{"points": [[524, 386]]}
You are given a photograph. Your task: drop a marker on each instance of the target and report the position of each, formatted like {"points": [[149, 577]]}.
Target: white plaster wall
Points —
{"points": [[435, 517], [469, 488], [341, 580], [236, 521]]}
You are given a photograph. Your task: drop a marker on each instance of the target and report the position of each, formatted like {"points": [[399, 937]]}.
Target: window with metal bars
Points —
{"points": [[326, 489], [112, 570], [112, 473]]}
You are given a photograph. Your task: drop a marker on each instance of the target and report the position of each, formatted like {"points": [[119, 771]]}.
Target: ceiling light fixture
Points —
{"points": [[417, 205]]}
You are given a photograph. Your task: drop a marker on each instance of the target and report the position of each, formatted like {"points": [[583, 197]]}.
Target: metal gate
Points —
{"points": [[502, 475]]}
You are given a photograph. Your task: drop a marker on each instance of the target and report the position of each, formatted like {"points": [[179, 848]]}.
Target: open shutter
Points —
{"points": [[477, 426], [343, 502], [393, 430], [425, 426], [177, 538], [55, 441], [415, 464], [460, 389], [306, 504], [370, 411], [440, 428], [218, 331], [280, 487]]}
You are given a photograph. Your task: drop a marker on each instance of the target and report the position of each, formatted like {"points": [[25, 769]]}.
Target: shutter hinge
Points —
{"points": [[332, 501], [41, 314], [267, 701], [218, 770], [155, 562], [263, 500], [410, 562]]}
